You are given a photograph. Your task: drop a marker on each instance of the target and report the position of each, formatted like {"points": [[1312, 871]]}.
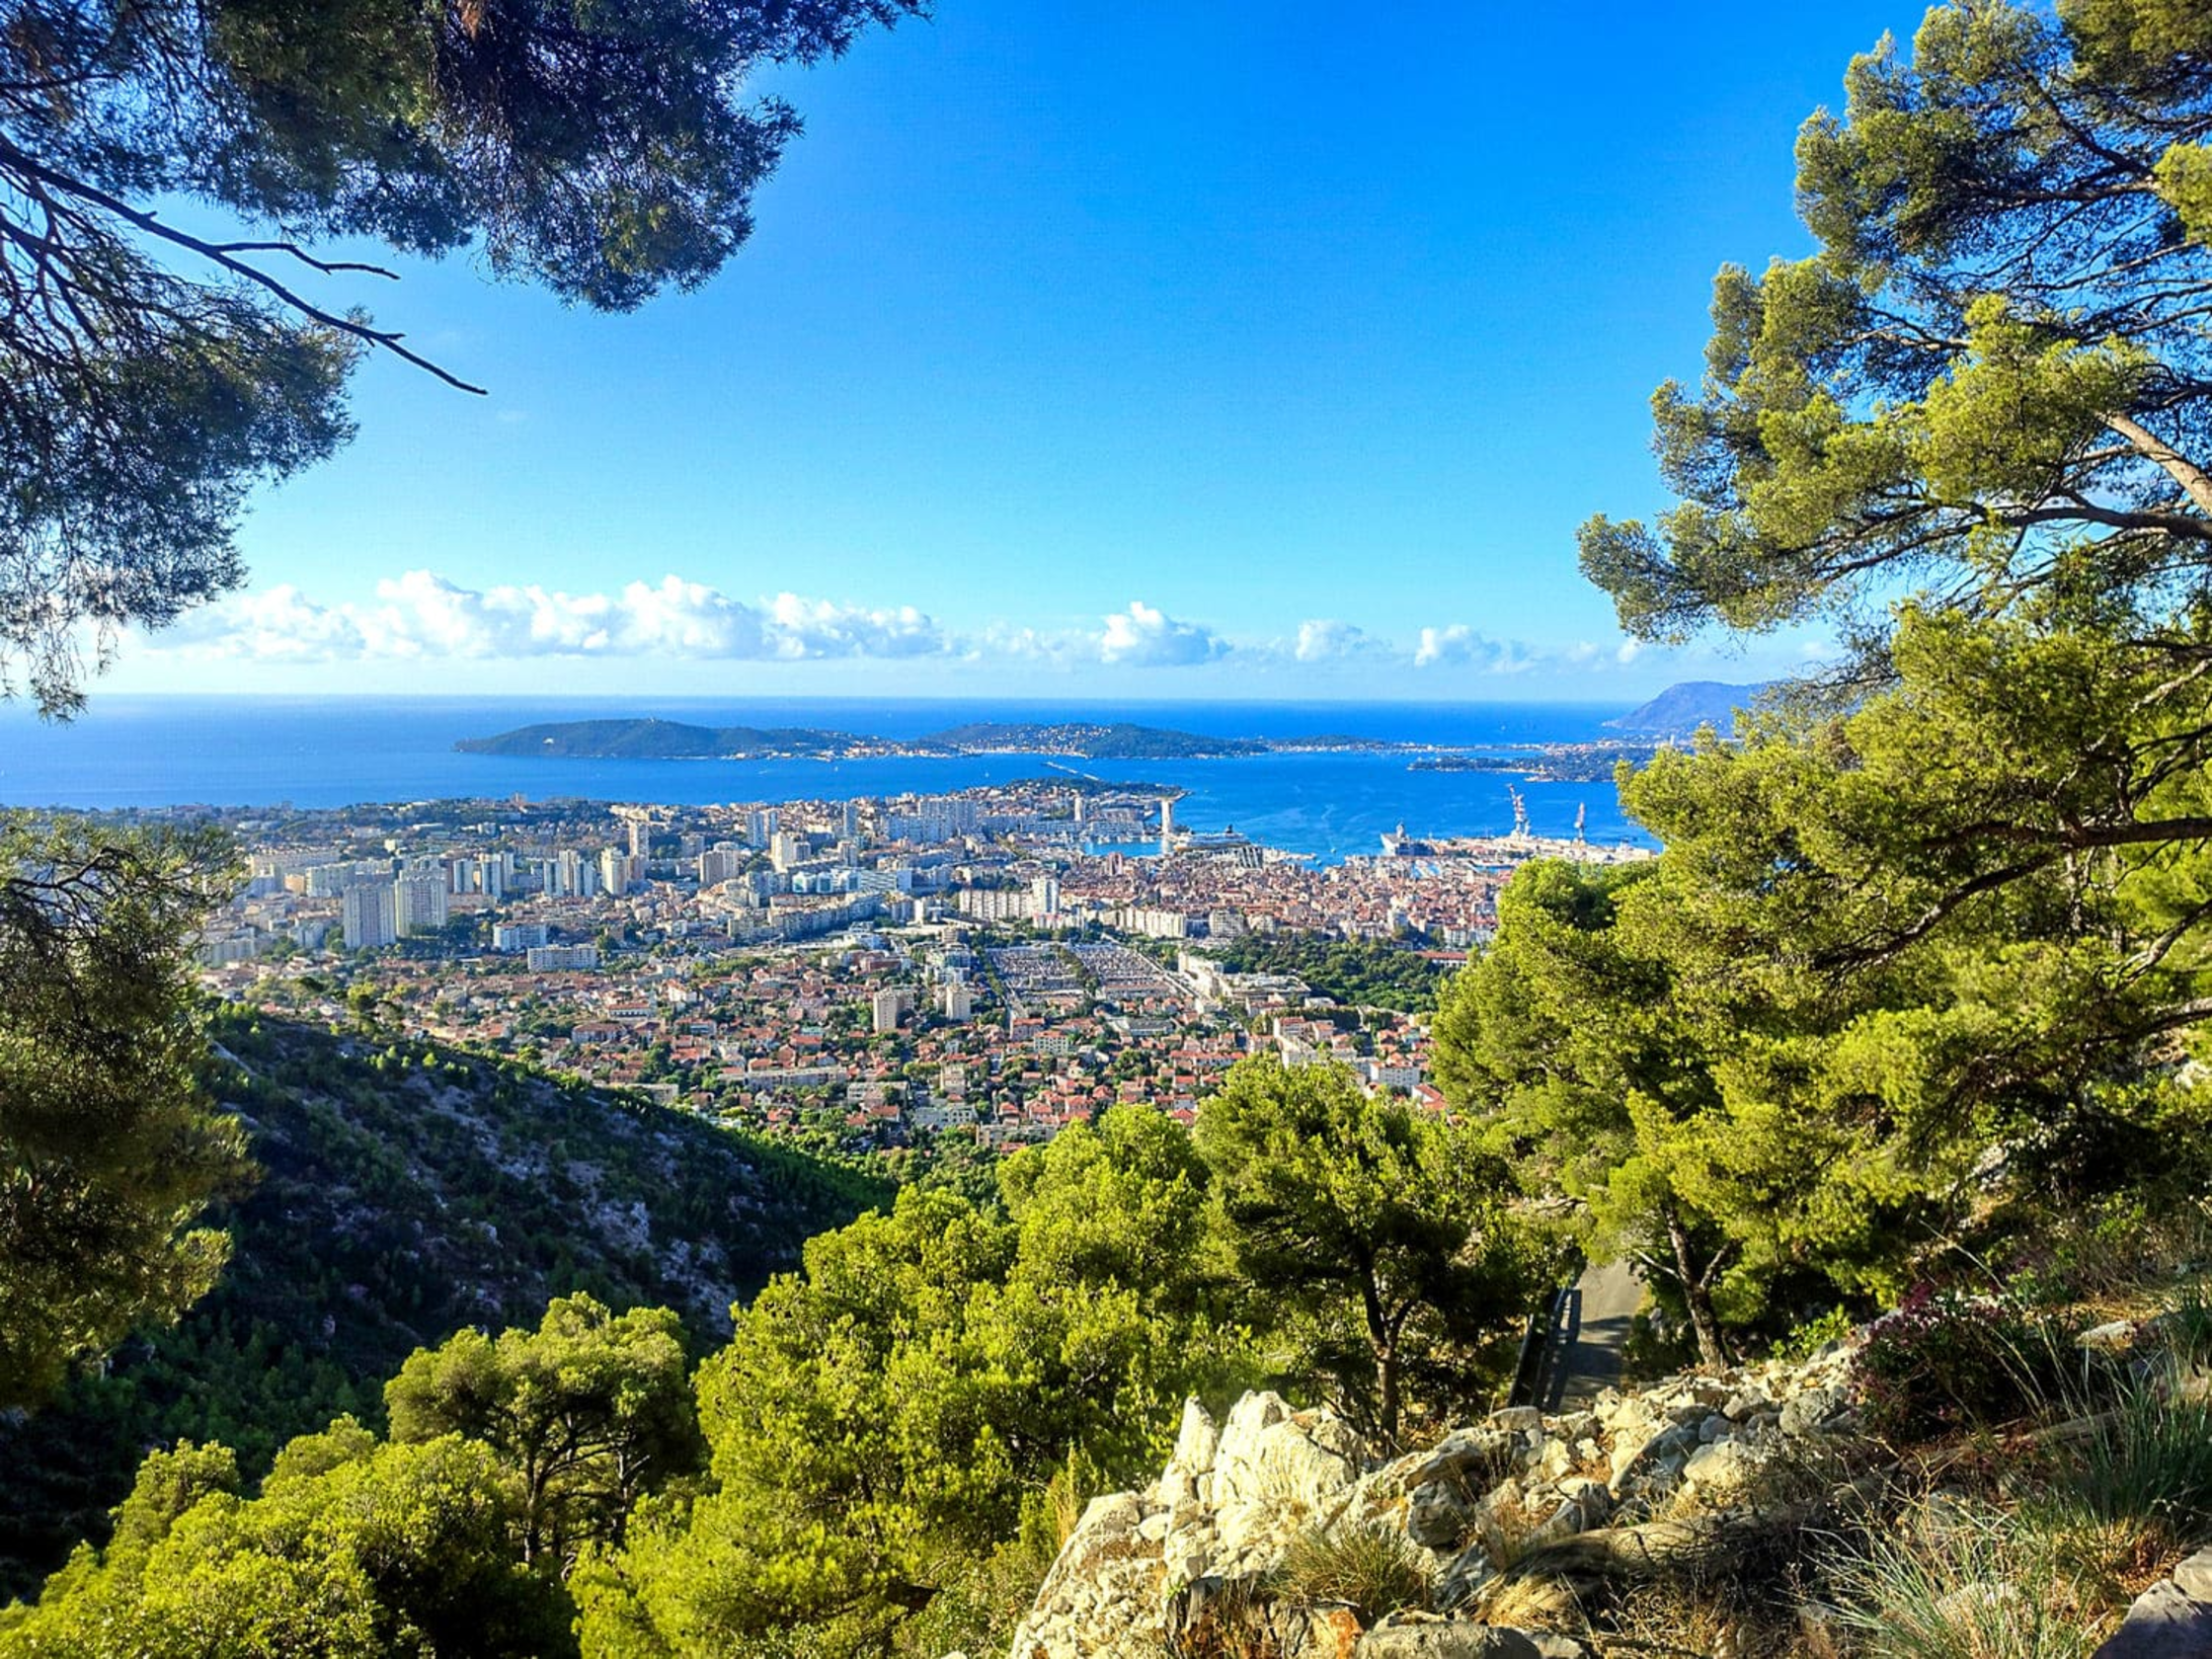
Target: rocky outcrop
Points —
{"points": [[2173, 1620], [1638, 1476]]}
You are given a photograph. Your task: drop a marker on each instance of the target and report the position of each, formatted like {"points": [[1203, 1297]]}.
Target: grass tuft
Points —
{"points": [[1954, 1581], [1374, 1569], [2146, 1463]]}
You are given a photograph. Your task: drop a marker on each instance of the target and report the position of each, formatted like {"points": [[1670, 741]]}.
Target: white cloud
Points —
{"points": [[421, 614], [801, 628], [1143, 637], [1324, 638], [1460, 646]]}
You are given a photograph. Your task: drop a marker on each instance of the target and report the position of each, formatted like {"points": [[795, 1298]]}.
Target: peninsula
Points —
{"points": [[669, 740]]}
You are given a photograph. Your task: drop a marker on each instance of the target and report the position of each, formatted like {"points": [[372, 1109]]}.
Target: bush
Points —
{"points": [[1945, 1361], [1812, 1335], [1375, 1569]]}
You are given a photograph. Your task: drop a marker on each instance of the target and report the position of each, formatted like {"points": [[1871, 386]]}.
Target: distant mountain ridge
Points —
{"points": [[1679, 710]]}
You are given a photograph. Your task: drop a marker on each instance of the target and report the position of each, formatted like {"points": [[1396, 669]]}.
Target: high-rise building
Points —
{"points": [[886, 1006], [959, 1000], [418, 905], [541, 959], [760, 827], [620, 871], [366, 915], [1166, 825], [853, 821], [785, 850], [509, 936], [641, 838], [719, 864]]}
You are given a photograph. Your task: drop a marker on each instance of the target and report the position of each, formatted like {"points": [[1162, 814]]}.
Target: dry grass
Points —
{"points": [[1533, 1604], [1372, 1568]]}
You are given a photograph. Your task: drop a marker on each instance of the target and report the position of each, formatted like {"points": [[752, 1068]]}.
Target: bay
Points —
{"points": [[155, 751]]}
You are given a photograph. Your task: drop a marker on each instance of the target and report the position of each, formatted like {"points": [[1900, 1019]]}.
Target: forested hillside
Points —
{"points": [[882, 1455], [407, 1190]]}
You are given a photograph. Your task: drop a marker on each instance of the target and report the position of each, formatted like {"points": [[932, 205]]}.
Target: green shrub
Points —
{"points": [[1810, 1337]]}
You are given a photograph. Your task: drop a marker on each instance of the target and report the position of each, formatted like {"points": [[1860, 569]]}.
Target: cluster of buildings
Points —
{"points": [[1001, 959]]}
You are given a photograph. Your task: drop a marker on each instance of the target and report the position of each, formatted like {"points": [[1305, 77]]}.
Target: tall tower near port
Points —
{"points": [[1166, 824]]}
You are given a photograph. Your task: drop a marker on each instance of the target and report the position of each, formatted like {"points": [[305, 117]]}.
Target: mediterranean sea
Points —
{"points": [[155, 751]]}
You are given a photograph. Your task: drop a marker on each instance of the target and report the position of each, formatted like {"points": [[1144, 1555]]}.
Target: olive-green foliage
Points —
{"points": [[1993, 365], [352, 1548], [1921, 941], [1565, 1044], [506, 1458], [896, 1440], [1870, 993], [605, 150], [109, 1148], [585, 1414], [1376, 1234], [878, 1421], [1973, 432], [407, 1190]]}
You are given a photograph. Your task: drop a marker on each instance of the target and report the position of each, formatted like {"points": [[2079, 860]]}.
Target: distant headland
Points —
{"points": [[671, 739]]}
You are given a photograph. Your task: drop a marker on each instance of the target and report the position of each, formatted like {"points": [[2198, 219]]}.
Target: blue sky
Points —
{"points": [[1151, 352]]}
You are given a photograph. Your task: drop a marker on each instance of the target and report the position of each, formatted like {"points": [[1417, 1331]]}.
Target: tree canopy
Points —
{"points": [[109, 1150], [605, 148], [1377, 1231], [1926, 947], [1991, 379]]}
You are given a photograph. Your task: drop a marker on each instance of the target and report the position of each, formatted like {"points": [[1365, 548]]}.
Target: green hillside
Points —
{"points": [[651, 739], [408, 1191]]}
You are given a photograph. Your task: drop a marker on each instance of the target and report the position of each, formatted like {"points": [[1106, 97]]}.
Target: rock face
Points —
{"points": [[1207, 1541], [2173, 1620]]}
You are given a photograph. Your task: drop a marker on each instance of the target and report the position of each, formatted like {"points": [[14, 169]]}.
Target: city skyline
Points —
{"points": [[1075, 361]]}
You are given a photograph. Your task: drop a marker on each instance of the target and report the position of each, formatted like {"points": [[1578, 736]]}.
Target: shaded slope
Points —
{"points": [[408, 1191]]}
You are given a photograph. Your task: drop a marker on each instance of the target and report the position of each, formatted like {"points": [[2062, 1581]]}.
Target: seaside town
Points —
{"points": [[1002, 961]]}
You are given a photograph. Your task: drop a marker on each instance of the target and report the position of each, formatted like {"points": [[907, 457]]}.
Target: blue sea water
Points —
{"points": [[330, 752]]}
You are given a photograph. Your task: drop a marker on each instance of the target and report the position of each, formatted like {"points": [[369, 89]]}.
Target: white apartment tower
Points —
{"points": [[366, 915], [418, 905]]}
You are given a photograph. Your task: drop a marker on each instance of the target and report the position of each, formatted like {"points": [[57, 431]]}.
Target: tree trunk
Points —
{"points": [[1386, 1392], [1382, 1343], [1696, 1296]]}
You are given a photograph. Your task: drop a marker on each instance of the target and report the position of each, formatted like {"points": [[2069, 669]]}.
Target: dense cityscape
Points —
{"points": [[1002, 961]]}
